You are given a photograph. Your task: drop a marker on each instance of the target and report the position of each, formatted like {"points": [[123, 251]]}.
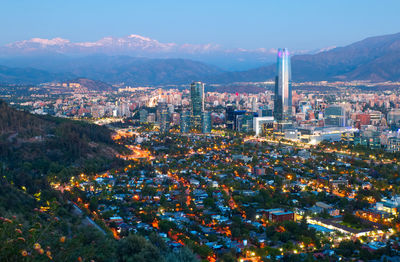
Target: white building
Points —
{"points": [[261, 123]]}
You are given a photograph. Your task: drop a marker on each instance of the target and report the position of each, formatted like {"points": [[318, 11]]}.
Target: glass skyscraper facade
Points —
{"points": [[185, 122], [393, 118], [197, 103], [206, 122], [335, 115], [244, 122], [197, 119], [164, 121], [143, 115], [283, 87], [230, 117]]}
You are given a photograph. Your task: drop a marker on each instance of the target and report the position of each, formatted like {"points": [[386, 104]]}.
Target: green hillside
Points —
{"points": [[38, 223]]}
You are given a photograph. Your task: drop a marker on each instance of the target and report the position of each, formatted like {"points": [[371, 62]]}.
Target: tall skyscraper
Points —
{"points": [[185, 122], [143, 114], [206, 123], [196, 103], [230, 117], [283, 87], [164, 121]]}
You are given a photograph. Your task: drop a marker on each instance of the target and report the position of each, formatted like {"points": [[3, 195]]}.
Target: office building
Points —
{"points": [[143, 115], [151, 118], [185, 122], [196, 103], [368, 138], [261, 125], [230, 117], [335, 116], [283, 87], [244, 122], [206, 124], [164, 121], [263, 112], [393, 118]]}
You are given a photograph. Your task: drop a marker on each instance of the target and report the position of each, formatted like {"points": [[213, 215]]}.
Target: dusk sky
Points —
{"points": [[306, 24]]}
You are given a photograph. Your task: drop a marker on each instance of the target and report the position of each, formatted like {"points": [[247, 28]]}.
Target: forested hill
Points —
{"points": [[32, 145], [72, 137], [38, 223]]}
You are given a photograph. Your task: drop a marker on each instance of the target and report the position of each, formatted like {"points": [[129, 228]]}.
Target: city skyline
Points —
{"points": [[187, 131]]}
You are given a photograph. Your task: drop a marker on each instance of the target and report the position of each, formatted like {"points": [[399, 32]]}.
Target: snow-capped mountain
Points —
{"points": [[140, 46], [122, 45], [374, 59]]}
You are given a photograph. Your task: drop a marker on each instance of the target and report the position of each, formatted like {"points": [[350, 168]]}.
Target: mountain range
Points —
{"points": [[374, 59], [110, 60], [111, 69], [140, 46]]}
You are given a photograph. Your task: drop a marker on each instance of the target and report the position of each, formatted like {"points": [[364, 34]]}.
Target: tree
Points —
{"points": [[135, 248], [203, 250], [182, 255]]}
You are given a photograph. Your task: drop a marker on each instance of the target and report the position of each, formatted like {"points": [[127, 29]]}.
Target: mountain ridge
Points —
{"points": [[375, 59], [108, 69], [141, 46]]}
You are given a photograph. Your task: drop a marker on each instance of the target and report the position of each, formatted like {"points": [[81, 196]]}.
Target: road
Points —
{"points": [[88, 220]]}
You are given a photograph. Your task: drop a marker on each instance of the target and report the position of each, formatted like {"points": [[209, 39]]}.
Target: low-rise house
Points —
{"points": [[279, 215]]}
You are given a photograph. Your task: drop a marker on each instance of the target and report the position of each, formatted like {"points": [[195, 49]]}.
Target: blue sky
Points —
{"points": [[296, 24]]}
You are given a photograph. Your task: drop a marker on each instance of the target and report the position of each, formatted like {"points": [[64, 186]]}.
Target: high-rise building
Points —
{"points": [[151, 118], [143, 114], [230, 117], [164, 121], [175, 119], [196, 103], [283, 87], [244, 122], [393, 118], [160, 107], [254, 104], [206, 122], [185, 122], [262, 112], [335, 115], [369, 138], [236, 116]]}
